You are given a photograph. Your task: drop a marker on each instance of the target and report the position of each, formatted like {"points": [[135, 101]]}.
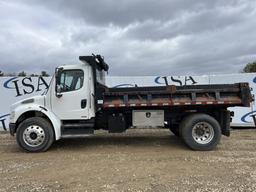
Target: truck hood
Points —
{"points": [[39, 100]]}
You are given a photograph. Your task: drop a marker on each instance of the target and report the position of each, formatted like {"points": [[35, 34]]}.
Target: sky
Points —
{"points": [[136, 37]]}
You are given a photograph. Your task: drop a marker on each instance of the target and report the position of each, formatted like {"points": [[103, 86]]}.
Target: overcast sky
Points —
{"points": [[137, 37]]}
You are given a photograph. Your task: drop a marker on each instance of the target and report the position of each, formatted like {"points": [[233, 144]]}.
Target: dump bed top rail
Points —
{"points": [[224, 94]]}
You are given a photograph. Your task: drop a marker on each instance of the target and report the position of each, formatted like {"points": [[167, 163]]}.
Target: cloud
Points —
{"points": [[143, 37]]}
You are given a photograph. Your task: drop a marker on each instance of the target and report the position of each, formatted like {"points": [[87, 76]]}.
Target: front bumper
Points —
{"points": [[12, 128]]}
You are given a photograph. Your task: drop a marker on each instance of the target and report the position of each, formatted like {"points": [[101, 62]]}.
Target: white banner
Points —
{"points": [[16, 88]]}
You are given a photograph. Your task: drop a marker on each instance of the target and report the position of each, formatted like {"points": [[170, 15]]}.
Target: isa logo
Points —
{"points": [[125, 85], [3, 121], [26, 85], [249, 117], [254, 80], [175, 80]]}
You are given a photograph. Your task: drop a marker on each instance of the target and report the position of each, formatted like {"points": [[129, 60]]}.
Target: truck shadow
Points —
{"points": [[141, 141]]}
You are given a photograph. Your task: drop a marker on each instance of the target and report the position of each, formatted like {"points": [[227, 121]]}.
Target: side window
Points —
{"points": [[71, 80]]}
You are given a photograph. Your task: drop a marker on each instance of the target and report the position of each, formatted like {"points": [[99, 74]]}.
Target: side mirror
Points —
{"points": [[58, 72]]}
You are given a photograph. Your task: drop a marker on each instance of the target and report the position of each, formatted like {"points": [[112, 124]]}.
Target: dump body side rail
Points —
{"points": [[226, 95]]}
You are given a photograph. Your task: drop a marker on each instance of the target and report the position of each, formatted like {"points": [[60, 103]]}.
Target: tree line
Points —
{"points": [[24, 74], [250, 68]]}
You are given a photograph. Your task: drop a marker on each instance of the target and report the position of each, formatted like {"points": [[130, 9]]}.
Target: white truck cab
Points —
{"points": [[69, 101], [75, 80]]}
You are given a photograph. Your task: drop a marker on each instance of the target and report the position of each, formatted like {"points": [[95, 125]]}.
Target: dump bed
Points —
{"points": [[190, 95]]}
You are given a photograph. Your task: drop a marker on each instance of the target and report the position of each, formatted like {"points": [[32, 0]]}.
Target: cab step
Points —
{"points": [[76, 136], [76, 131]]}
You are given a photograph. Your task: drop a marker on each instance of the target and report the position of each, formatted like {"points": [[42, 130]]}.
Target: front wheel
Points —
{"points": [[35, 134], [200, 132]]}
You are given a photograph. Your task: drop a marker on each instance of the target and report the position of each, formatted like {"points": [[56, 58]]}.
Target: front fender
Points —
{"points": [[20, 110]]}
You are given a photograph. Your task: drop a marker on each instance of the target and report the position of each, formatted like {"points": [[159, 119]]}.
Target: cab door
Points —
{"points": [[72, 101]]}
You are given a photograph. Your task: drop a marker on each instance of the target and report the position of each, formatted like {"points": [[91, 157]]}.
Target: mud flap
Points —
{"points": [[225, 119]]}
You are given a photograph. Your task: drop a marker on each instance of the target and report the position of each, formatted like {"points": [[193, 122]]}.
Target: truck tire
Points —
{"points": [[200, 132], [35, 134]]}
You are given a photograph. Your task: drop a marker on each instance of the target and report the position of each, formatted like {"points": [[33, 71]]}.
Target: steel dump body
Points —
{"points": [[226, 95]]}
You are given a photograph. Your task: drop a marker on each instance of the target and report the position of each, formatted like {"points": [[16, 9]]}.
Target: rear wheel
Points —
{"points": [[200, 132], [35, 134]]}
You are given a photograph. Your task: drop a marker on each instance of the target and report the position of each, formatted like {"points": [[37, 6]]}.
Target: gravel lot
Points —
{"points": [[140, 160]]}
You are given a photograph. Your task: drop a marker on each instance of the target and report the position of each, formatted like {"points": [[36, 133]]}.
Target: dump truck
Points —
{"points": [[78, 102]]}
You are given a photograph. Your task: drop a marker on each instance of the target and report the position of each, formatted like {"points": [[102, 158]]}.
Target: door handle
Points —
{"points": [[83, 103]]}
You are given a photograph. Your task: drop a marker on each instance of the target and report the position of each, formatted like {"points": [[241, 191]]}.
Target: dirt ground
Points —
{"points": [[140, 160]]}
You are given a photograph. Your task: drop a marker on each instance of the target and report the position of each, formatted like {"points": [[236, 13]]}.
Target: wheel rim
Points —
{"points": [[203, 133], [34, 136]]}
